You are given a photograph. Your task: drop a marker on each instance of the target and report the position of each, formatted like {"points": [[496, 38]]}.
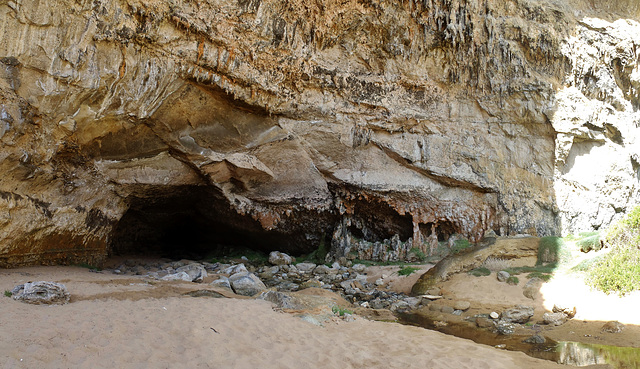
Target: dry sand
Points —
{"points": [[123, 322]]}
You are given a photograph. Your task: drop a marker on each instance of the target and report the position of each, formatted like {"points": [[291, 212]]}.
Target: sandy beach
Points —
{"points": [[130, 322]]}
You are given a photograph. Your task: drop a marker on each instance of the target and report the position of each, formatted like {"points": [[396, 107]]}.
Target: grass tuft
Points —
{"points": [[340, 311], [408, 270], [513, 280], [480, 272]]}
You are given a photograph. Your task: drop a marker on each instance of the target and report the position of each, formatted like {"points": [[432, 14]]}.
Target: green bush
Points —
{"points": [[340, 311], [460, 245], [418, 253], [588, 241], [408, 270], [513, 280], [480, 272], [619, 270], [7, 293], [552, 249]]}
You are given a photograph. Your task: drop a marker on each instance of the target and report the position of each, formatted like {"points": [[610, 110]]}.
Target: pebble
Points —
{"points": [[494, 315], [462, 305]]}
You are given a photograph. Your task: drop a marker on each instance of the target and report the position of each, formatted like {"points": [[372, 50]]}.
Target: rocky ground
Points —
{"points": [[132, 321], [523, 314]]}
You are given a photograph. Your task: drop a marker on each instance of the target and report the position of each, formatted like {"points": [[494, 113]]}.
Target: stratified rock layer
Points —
{"points": [[286, 125]]}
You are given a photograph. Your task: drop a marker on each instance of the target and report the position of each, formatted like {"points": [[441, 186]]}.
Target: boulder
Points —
{"points": [[196, 272], [305, 267], [181, 276], [238, 268], [532, 288], [358, 268], [222, 282], [519, 314], [554, 319], [494, 315], [280, 258], [41, 293], [613, 327], [246, 284], [503, 276], [570, 312]]}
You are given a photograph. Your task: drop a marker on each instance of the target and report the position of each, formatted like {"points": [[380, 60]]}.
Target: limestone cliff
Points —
{"points": [[286, 124]]}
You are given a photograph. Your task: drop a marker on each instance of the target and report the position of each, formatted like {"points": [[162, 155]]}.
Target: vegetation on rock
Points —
{"points": [[618, 271]]}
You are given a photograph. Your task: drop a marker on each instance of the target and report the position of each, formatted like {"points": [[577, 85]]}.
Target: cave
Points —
{"points": [[197, 222], [444, 229]]}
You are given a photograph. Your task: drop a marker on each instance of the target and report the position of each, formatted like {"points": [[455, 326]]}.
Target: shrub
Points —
{"points": [[418, 253], [496, 264], [408, 270], [460, 245], [513, 280], [619, 270], [589, 241], [480, 272], [340, 311], [551, 250], [7, 293]]}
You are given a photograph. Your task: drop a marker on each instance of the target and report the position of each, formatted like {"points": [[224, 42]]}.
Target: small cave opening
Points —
{"points": [[375, 221], [443, 229], [198, 223]]}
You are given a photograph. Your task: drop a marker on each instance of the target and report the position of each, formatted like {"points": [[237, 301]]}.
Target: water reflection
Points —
{"points": [[568, 353], [580, 354]]}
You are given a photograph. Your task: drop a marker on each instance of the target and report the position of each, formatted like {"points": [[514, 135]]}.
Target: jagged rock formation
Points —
{"points": [[283, 124]]}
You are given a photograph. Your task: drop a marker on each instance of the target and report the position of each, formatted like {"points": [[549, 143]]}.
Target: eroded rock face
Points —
{"points": [[290, 125]]}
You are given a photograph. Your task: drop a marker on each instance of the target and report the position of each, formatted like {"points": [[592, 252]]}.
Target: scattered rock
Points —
{"points": [[505, 328], [305, 267], [503, 276], [613, 327], [246, 284], [196, 272], [535, 339], [222, 282], [311, 283], [570, 312], [42, 292], [531, 288], [358, 268], [321, 269], [279, 299], [234, 269], [379, 282], [182, 276], [554, 318], [519, 314], [494, 315], [462, 305], [447, 309], [279, 258]]}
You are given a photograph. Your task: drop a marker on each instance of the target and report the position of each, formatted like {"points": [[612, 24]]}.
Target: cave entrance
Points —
{"points": [[193, 222]]}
